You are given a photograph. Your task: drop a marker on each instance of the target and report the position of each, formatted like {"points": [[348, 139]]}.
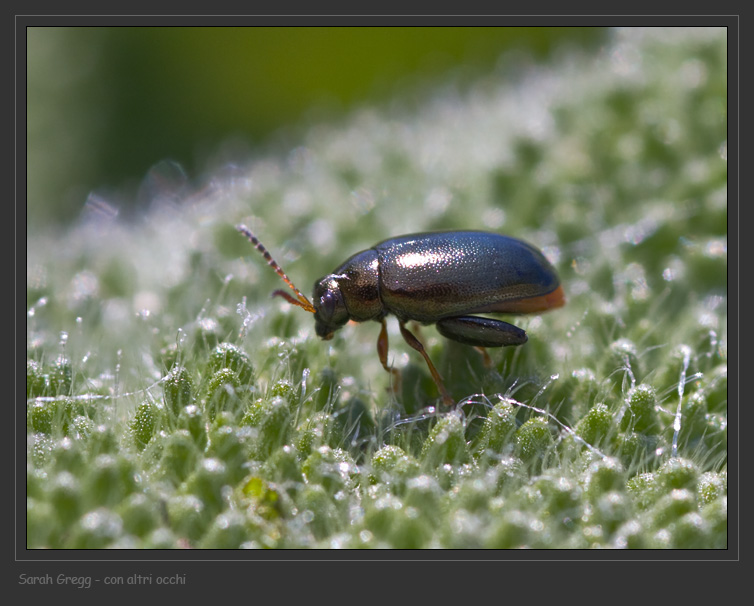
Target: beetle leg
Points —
{"points": [[382, 352], [416, 344], [486, 360], [481, 332]]}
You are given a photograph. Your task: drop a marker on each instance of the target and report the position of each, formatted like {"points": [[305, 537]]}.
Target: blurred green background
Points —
{"points": [[106, 104]]}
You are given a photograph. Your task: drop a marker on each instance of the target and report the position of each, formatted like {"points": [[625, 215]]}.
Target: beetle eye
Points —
{"points": [[327, 304], [331, 312]]}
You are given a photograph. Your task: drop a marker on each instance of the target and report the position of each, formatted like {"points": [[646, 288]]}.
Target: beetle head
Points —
{"points": [[331, 312]]}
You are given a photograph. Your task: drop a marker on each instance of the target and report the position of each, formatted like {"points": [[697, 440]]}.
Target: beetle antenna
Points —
{"points": [[301, 301]]}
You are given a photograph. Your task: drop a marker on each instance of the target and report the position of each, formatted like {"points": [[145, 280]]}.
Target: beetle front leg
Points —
{"points": [[382, 349], [481, 332], [417, 345]]}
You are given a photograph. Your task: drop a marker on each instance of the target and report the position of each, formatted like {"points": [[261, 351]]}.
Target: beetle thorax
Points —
{"points": [[351, 292]]}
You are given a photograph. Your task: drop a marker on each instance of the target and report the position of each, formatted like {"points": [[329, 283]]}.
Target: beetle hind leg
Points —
{"points": [[417, 345], [486, 359]]}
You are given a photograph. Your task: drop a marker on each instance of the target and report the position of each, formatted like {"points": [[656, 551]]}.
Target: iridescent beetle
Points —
{"points": [[440, 278]]}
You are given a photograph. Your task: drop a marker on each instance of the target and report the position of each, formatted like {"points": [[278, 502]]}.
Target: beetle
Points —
{"points": [[441, 278]]}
